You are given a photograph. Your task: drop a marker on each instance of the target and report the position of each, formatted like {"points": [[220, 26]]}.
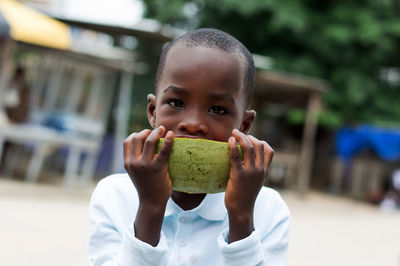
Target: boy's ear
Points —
{"points": [[247, 121], [151, 109]]}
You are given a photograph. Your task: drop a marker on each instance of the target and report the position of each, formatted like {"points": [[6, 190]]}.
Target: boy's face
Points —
{"points": [[200, 94]]}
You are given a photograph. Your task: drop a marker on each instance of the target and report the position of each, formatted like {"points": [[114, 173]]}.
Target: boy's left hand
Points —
{"points": [[245, 182]]}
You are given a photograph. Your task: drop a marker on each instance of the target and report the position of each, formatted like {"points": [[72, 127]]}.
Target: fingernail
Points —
{"points": [[169, 134]]}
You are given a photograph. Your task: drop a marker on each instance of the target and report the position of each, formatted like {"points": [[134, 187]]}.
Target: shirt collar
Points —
{"points": [[211, 208]]}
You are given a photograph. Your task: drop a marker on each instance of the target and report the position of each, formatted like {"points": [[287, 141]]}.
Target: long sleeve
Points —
{"points": [[268, 243], [112, 242]]}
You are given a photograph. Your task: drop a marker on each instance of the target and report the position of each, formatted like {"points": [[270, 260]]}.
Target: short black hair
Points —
{"points": [[216, 39]]}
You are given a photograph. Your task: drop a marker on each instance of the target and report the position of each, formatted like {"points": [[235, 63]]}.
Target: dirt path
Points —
{"points": [[328, 230], [47, 225], [43, 225]]}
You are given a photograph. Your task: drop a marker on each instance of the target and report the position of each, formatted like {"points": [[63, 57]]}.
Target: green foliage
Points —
{"points": [[326, 118], [345, 42], [148, 53]]}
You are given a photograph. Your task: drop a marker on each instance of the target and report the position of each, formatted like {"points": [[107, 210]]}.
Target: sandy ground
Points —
{"points": [[328, 230], [47, 225]]}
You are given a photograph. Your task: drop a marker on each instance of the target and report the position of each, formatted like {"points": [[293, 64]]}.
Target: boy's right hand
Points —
{"points": [[147, 170], [149, 174]]}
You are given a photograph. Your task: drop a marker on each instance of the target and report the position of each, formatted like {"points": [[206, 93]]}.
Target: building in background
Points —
{"points": [[71, 84], [95, 50]]}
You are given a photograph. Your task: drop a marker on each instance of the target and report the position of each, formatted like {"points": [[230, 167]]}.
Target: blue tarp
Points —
{"points": [[384, 142]]}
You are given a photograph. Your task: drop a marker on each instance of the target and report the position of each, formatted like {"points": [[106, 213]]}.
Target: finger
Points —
{"points": [[127, 146], [268, 154], [150, 144], [247, 147], [259, 150], [133, 144], [234, 154], [138, 141], [166, 148]]}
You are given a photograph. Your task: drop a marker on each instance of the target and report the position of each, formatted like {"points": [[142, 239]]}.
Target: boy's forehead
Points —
{"points": [[199, 60], [190, 52]]}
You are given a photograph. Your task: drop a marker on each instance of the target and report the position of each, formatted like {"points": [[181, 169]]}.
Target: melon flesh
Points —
{"points": [[198, 165]]}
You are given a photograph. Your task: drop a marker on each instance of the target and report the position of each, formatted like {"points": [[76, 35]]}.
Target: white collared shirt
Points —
{"points": [[194, 237]]}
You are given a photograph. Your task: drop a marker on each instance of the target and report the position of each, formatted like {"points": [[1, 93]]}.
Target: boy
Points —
{"points": [[203, 88]]}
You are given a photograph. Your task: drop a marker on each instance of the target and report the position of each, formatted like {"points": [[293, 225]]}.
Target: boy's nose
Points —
{"points": [[193, 124]]}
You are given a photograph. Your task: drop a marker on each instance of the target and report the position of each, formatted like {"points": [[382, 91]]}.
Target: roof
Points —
{"points": [[113, 30], [286, 87], [30, 26], [290, 82]]}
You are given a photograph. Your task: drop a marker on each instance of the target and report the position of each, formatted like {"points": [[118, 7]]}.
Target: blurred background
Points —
{"points": [[74, 75]]}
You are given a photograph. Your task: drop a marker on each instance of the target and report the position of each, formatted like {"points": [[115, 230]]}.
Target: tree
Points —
{"points": [[352, 44]]}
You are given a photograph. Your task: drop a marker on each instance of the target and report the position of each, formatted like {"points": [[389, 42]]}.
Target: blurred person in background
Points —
{"points": [[16, 98], [391, 200], [16, 110]]}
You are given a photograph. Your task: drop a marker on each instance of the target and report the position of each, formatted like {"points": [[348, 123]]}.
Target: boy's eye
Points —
{"points": [[218, 110], [176, 103]]}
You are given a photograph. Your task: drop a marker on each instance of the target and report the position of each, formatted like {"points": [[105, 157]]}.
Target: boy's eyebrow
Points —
{"points": [[221, 96], [213, 95], [176, 90]]}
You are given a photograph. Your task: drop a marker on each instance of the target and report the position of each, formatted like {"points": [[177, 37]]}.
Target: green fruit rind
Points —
{"points": [[199, 165]]}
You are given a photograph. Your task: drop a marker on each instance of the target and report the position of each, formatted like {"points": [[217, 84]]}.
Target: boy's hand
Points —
{"points": [[246, 179], [149, 173]]}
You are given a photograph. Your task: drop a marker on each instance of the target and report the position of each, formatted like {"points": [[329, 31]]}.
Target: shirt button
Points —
{"points": [[184, 219], [182, 242]]}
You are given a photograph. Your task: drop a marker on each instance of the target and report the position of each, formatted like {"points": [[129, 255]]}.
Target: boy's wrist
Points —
{"points": [[240, 225], [148, 223]]}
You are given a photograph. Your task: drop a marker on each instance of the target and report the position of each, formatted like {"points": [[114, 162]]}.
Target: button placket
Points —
{"points": [[183, 231]]}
